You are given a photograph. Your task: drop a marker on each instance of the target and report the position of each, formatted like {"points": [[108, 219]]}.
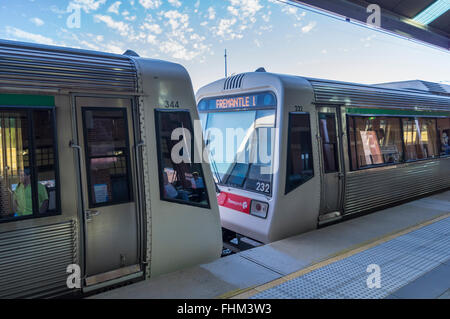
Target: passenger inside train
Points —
{"points": [[444, 132], [22, 198]]}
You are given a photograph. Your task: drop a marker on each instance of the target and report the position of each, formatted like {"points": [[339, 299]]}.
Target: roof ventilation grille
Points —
{"points": [[233, 82]]}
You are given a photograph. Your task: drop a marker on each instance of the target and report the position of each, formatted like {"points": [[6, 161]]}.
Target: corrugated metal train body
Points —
{"points": [[33, 261], [33, 66], [369, 189], [355, 95]]}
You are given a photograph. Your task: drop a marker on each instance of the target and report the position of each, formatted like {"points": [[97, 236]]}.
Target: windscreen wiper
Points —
{"points": [[216, 171], [213, 164]]}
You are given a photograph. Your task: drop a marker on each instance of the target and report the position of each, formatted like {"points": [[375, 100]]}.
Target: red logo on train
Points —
{"points": [[236, 202]]}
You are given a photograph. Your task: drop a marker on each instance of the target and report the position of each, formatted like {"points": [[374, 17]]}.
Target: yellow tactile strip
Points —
{"points": [[251, 291]]}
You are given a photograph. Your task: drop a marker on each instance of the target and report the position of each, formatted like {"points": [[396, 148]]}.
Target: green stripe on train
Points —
{"points": [[26, 100], [395, 112]]}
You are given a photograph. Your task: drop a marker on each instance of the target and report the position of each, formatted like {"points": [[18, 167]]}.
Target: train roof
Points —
{"points": [[46, 67], [419, 86], [350, 94]]}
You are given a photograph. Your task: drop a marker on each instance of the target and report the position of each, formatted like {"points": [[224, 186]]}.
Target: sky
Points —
{"points": [[256, 33]]}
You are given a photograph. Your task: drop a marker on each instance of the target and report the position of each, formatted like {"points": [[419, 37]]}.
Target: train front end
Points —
{"points": [[239, 127]]}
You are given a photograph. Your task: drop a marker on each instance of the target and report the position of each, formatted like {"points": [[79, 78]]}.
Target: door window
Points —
{"points": [[107, 156], [327, 124]]}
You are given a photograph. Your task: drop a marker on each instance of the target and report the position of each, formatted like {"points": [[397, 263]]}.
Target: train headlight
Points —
{"points": [[259, 209]]}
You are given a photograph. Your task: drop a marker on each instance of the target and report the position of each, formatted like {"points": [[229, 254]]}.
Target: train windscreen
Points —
{"points": [[240, 143]]}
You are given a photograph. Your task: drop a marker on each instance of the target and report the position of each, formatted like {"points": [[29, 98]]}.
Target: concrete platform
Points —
{"points": [[253, 271], [412, 265]]}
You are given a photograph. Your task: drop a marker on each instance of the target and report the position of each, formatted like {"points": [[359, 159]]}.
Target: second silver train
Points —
{"points": [[335, 149]]}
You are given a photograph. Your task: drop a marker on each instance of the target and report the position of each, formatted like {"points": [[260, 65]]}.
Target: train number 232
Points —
{"points": [[263, 187]]}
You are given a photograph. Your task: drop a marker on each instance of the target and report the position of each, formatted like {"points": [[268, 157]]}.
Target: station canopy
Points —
{"points": [[426, 21]]}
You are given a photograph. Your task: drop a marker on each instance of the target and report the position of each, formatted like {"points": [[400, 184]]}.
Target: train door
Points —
{"points": [[331, 164], [108, 189]]}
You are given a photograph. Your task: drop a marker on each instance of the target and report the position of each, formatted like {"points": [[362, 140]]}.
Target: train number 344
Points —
{"points": [[171, 104]]}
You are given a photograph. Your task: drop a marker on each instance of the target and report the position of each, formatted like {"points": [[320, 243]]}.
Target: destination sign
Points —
{"points": [[235, 102], [247, 101]]}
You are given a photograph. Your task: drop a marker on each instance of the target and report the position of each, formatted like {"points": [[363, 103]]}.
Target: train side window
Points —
{"points": [[327, 126], [420, 138], [443, 126], [181, 180], [28, 164], [374, 141], [299, 157]]}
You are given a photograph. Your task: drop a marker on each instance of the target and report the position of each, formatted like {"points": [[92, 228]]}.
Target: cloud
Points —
{"points": [[368, 40], [19, 34], [151, 38], [86, 5], [152, 27], [179, 51], [293, 11], [115, 48], [175, 3], [307, 28], [89, 45], [123, 28], [38, 22], [245, 8], [150, 4], [225, 29], [114, 8], [242, 16], [177, 20], [290, 10], [57, 11], [94, 42], [266, 16], [211, 13], [179, 40]]}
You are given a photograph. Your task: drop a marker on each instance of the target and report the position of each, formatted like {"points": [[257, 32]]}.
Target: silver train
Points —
{"points": [[89, 194], [335, 150]]}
